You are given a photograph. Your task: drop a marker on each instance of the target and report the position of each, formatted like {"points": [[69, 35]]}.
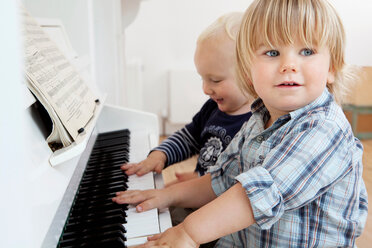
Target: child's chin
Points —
{"points": [[221, 107], [224, 109]]}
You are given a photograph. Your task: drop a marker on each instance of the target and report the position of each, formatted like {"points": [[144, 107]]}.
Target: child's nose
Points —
{"points": [[207, 89], [288, 68], [288, 65]]}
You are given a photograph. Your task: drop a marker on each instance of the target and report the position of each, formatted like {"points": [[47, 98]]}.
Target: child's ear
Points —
{"points": [[331, 76]]}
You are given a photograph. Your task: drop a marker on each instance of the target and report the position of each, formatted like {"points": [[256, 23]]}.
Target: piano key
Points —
{"points": [[141, 183], [141, 224], [94, 217], [112, 242]]}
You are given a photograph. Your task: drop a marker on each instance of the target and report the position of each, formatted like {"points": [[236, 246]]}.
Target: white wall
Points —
{"points": [[164, 32], [73, 14], [94, 28], [163, 37], [357, 19], [12, 129]]}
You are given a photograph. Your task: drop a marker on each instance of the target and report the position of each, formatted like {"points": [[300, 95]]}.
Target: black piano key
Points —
{"points": [[113, 179], [108, 151], [102, 138], [95, 220], [103, 207], [114, 186], [95, 240], [102, 174], [76, 236], [93, 229], [113, 133], [95, 200], [100, 168], [96, 215], [102, 180], [122, 159], [112, 143]]}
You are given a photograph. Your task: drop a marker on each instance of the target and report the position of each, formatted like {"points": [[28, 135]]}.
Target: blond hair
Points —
{"points": [[227, 24], [280, 22]]}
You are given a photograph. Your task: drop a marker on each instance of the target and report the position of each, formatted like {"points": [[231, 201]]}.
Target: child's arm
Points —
{"points": [[226, 214], [154, 162], [182, 177], [192, 193]]}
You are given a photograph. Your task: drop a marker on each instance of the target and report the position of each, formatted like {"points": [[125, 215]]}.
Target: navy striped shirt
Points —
{"points": [[210, 131], [302, 175]]}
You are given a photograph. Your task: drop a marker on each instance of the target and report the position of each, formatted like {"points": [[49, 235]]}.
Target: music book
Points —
{"points": [[58, 86]]}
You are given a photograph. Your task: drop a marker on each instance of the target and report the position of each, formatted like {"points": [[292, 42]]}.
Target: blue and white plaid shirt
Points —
{"points": [[302, 175]]}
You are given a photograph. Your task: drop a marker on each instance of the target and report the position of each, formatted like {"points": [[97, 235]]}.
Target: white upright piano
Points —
{"points": [[38, 187], [66, 178]]}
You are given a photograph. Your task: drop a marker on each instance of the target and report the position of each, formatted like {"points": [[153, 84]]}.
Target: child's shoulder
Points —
{"points": [[329, 118]]}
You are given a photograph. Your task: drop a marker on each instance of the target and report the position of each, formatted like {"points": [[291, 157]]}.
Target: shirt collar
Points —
{"points": [[324, 99]]}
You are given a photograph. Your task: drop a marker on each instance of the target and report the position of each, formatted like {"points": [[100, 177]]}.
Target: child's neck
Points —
{"points": [[245, 108], [269, 123]]}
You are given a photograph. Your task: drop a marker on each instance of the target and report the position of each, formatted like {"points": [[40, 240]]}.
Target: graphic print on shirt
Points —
{"points": [[210, 152]]}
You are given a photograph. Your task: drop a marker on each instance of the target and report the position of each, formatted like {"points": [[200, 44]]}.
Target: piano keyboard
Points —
{"points": [[94, 220]]}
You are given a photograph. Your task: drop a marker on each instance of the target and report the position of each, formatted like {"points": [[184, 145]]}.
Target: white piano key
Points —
{"points": [[141, 224], [165, 221], [164, 216], [136, 241], [141, 183]]}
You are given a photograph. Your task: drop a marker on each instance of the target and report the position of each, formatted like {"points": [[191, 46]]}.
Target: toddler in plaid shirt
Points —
{"points": [[292, 176]]}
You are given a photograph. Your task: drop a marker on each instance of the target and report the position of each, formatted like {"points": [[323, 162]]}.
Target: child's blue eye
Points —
{"points": [[307, 52], [272, 53]]}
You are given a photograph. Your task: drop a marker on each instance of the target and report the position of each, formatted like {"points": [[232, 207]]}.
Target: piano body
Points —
{"points": [[39, 187]]}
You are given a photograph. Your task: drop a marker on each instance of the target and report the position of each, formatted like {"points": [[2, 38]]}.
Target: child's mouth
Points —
{"points": [[289, 84], [220, 100]]}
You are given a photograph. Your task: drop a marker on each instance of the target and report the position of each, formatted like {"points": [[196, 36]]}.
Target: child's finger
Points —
{"points": [[142, 171], [131, 169], [129, 197], [149, 244], [154, 237], [159, 168], [150, 203], [126, 166]]}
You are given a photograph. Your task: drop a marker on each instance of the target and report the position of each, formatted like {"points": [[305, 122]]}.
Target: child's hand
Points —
{"points": [[154, 162], [175, 237], [181, 177], [144, 199]]}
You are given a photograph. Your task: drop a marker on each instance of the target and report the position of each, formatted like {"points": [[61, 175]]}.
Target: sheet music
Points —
{"points": [[54, 78]]}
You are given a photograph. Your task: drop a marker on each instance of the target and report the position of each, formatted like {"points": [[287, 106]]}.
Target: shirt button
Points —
{"points": [[260, 139]]}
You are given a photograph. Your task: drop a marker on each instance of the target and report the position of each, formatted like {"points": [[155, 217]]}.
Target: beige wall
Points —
{"points": [[361, 95]]}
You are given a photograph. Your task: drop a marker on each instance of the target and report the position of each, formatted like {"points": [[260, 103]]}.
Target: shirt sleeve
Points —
{"points": [[299, 169], [178, 147]]}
